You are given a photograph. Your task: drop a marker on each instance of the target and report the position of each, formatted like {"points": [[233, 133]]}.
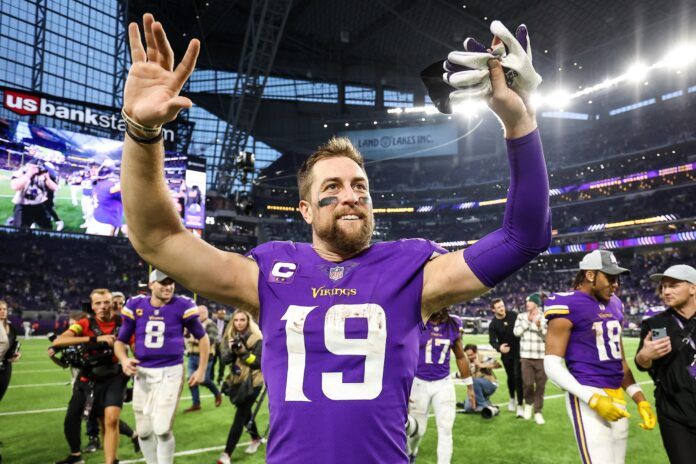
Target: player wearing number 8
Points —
{"points": [[585, 329], [157, 322]]}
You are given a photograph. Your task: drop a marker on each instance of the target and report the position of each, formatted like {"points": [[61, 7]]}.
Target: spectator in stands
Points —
{"points": [[667, 351], [531, 328], [502, 338]]}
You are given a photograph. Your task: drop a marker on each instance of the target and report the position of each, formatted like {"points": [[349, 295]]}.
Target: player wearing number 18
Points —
{"points": [[158, 323], [585, 328], [341, 318]]}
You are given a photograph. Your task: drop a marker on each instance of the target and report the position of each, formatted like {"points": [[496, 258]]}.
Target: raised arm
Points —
{"points": [[526, 230], [151, 98]]}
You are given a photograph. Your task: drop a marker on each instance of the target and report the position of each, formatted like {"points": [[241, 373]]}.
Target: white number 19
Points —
{"points": [[372, 348]]}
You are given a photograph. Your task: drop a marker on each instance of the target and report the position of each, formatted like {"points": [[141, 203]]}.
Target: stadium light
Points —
{"points": [[637, 71]]}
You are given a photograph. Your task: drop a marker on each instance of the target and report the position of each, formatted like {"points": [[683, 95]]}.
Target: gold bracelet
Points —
{"points": [[140, 127]]}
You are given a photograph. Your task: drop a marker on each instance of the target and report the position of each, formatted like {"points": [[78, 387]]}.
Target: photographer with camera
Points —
{"points": [[88, 344], [667, 351], [241, 349], [31, 184]]}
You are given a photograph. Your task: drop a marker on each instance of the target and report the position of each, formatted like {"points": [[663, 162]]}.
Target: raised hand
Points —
{"points": [[151, 94]]}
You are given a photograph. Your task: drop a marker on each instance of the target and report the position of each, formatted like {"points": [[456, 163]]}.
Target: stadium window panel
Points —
{"points": [[675, 94], [281, 88], [634, 106], [566, 115], [692, 89], [396, 98], [357, 95]]}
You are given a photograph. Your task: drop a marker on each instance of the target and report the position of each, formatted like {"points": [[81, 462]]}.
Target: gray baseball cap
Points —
{"points": [[158, 276], [678, 272], [602, 260]]}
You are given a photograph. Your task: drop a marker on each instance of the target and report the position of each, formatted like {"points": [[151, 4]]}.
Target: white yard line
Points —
{"points": [[34, 385], [19, 371], [39, 411]]}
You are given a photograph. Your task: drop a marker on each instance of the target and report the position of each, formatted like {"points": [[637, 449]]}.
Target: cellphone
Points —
{"points": [[658, 333]]}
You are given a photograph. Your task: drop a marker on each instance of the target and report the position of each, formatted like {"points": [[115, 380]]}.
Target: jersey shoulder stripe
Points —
{"points": [[127, 312], [190, 312]]}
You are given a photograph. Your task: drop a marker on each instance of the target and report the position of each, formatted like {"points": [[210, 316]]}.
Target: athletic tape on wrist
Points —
{"points": [[468, 380], [633, 389]]}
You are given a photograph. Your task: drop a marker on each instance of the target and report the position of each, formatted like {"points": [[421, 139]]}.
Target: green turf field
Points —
{"points": [[71, 215], [31, 424]]}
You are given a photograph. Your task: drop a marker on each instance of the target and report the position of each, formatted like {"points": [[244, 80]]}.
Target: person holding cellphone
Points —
{"points": [[667, 351]]}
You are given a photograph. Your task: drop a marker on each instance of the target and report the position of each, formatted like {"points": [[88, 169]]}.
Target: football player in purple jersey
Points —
{"points": [[341, 318], [584, 329], [433, 385], [157, 324]]}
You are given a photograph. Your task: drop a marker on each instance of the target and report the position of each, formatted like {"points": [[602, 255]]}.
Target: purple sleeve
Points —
{"points": [[127, 330], [526, 230], [194, 326]]}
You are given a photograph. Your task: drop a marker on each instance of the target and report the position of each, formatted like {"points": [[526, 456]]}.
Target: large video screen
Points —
{"points": [[60, 180]]}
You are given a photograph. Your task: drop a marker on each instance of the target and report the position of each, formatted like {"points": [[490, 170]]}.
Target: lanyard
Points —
{"points": [[687, 339]]}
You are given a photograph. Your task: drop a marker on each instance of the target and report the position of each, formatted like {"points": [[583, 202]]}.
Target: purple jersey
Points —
{"points": [[436, 343], [593, 354], [108, 205], [159, 332], [340, 349]]}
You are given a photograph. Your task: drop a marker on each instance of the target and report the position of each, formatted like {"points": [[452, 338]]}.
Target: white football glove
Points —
{"points": [[517, 61], [467, 72]]}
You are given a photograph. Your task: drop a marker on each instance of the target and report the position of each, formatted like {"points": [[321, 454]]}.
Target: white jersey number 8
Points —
{"points": [[373, 348], [154, 334]]}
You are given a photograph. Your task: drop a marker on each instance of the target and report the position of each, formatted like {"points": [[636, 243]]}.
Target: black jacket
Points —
{"points": [[501, 331], [675, 388], [12, 337]]}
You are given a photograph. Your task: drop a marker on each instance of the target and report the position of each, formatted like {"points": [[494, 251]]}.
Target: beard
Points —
{"points": [[348, 242]]}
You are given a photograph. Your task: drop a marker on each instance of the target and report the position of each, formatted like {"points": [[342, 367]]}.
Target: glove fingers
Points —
{"points": [[522, 35], [466, 78], [499, 30], [477, 92], [470, 59], [473, 45]]}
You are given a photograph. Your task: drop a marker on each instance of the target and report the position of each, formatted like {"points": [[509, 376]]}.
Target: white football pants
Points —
{"points": [[599, 441], [440, 394], [156, 393]]}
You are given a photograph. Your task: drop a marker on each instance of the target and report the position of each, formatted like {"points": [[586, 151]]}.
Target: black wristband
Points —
{"points": [[93, 339], [138, 139]]}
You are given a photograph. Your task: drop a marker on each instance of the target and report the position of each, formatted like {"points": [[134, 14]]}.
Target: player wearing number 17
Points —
{"points": [[158, 322], [585, 328], [341, 318]]}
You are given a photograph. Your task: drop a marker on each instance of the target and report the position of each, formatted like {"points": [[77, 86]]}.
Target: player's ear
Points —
{"points": [[306, 211]]}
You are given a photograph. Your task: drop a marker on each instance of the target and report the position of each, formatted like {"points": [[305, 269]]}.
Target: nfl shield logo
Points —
{"points": [[156, 312], [336, 273]]}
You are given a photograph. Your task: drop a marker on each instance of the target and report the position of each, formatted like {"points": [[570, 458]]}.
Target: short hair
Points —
{"points": [[3, 302], [118, 294], [335, 147], [99, 291], [472, 347], [495, 301]]}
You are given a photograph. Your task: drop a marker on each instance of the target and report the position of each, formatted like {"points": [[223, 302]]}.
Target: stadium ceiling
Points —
{"points": [[366, 42]]}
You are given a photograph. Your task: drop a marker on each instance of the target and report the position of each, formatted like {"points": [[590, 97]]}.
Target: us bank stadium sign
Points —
{"points": [[30, 104], [415, 141]]}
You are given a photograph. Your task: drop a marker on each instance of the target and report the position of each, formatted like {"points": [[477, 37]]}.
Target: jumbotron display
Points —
{"points": [[60, 180]]}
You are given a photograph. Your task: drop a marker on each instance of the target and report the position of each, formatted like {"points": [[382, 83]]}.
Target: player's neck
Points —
{"points": [[158, 302], [500, 317], [330, 254]]}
